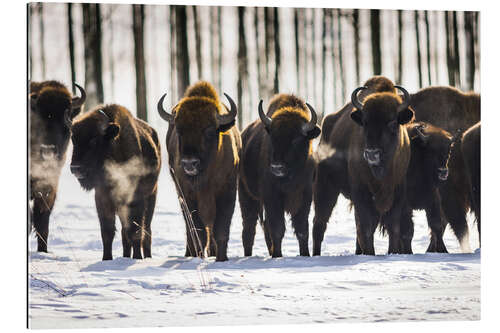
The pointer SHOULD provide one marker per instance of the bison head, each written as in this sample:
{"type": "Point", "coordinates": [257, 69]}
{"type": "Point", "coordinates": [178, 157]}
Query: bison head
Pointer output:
{"type": "Point", "coordinates": [436, 146]}
{"type": "Point", "coordinates": [92, 137]}
{"type": "Point", "coordinates": [199, 126]}
{"type": "Point", "coordinates": [52, 110]}
{"type": "Point", "coordinates": [381, 117]}
{"type": "Point", "coordinates": [290, 133]}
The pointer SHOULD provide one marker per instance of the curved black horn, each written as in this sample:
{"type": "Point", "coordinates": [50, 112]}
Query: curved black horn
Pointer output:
{"type": "Point", "coordinates": [354, 98]}
{"type": "Point", "coordinates": [77, 102]}
{"type": "Point", "coordinates": [161, 111]}
{"type": "Point", "coordinates": [406, 99]}
{"type": "Point", "coordinates": [227, 118]}
{"type": "Point", "coordinates": [311, 123]}
{"type": "Point", "coordinates": [263, 117]}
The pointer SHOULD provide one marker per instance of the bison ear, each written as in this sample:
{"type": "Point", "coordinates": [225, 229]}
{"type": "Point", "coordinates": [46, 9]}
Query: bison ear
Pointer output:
{"type": "Point", "coordinates": [357, 116]}
{"type": "Point", "coordinates": [226, 127]}
{"type": "Point", "coordinates": [112, 131]}
{"type": "Point", "coordinates": [313, 133]}
{"type": "Point", "coordinates": [405, 116]}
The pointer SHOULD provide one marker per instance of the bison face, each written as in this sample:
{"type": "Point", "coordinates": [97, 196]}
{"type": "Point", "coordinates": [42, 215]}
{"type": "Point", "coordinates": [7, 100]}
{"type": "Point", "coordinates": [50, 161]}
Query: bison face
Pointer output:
{"type": "Point", "coordinates": [199, 127]}
{"type": "Point", "coordinates": [381, 118]}
{"type": "Point", "coordinates": [51, 112]}
{"type": "Point", "coordinates": [436, 145]}
{"type": "Point", "coordinates": [290, 134]}
{"type": "Point", "coordinates": [92, 138]}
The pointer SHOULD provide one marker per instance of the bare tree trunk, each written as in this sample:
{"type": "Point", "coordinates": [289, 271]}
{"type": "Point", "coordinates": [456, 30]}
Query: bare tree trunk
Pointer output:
{"type": "Point", "coordinates": [140, 63]}
{"type": "Point", "coordinates": [197, 36]}
{"type": "Point", "coordinates": [297, 46]}
{"type": "Point", "coordinates": [399, 79]}
{"type": "Point", "coordinates": [419, 56]}
{"type": "Point", "coordinates": [334, 57]}
{"type": "Point", "coordinates": [469, 50]}
{"type": "Point", "coordinates": [269, 27]}
{"type": "Point", "coordinates": [324, 25]}
{"type": "Point", "coordinates": [173, 60]}
{"type": "Point", "coordinates": [355, 25]}
{"type": "Point", "coordinates": [449, 50]}
{"type": "Point", "coordinates": [277, 50]}
{"type": "Point", "coordinates": [213, 45]}
{"type": "Point", "coordinates": [219, 49]}
{"type": "Point", "coordinates": [30, 41]}
{"type": "Point", "coordinates": [71, 44]}
{"type": "Point", "coordinates": [456, 51]}
{"type": "Point", "coordinates": [242, 64]}
{"type": "Point", "coordinates": [258, 50]}
{"type": "Point", "coordinates": [111, 54]}
{"type": "Point", "coordinates": [42, 41]}
{"type": "Point", "coordinates": [306, 55]}
{"type": "Point", "coordinates": [93, 54]}
{"type": "Point", "coordinates": [428, 39]}
{"type": "Point", "coordinates": [341, 62]}
{"type": "Point", "coordinates": [375, 30]}
{"type": "Point", "coordinates": [477, 41]}
{"type": "Point", "coordinates": [182, 49]}
{"type": "Point", "coordinates": [313, 54]}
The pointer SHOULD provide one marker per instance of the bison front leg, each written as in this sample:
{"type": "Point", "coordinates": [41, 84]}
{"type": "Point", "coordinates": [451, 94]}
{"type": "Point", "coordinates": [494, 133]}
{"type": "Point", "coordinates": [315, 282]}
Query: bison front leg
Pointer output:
{"type": "Point", "coordinates": [207, 210]}
{"type": "Point", "coordinates": [392, 220]}
{"type": "Point", "coordinates": [300, 223]}
{"type": "Point", "coordinates": [146, 243]}
{"type": "Point", "coordinates": [407, 230]}
{"type": "Point", "coordinates": [366, 217]}
{"type": "Point", "coordinates": [275, 221]}
{"type": "Point", "coordinates": [225, 210]}
{"type": "Point", "coordinates": [249, 213]}
{"type": "Point", "coordinates": [42, 207]}
{"type": "Point", "coordinates": [132, 219]}
{"type": "Point", "coordinates": [106, 212]}
{"type": "Point", "coordinates": [325, 194]}
{"type": "Point", "coordinates": [436, 224]}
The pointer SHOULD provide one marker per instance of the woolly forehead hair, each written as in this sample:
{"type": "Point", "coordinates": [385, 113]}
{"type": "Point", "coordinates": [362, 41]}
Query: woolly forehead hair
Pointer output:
{"type": "Point", "coordinates": [384, 104]}
{"type": "Point", "coordinates": [434, 133]}
{"type": "Point", "coordinates": [54, 96]}
{"type": "Point", "coordinates": [202, 89]}
{"type": "Point", "coordinates": [289, 118]}
{"type": "Point", "coordinates": [196, 112]}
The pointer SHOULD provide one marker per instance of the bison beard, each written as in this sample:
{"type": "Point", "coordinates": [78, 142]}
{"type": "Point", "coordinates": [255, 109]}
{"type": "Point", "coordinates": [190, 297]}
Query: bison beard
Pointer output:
{"type": "Point", "coordinates": [119, 157]}
{"type": "Point", "coordinates": [364, 153]}
{"type": "Point", "coordinates": [51, 111]}
{"type": "Point", "coordinates": [276, 173]}
{"type": "Point", "coordinates": [203, 152]}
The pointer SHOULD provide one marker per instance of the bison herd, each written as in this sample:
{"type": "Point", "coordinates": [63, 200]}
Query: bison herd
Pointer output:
{"type": "Point", "coordinates": [388, 151]}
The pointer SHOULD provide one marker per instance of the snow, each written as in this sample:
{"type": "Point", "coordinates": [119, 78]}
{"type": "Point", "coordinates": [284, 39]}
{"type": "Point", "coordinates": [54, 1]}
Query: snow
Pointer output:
{"type": "Point", "coordinates": [71, 287]}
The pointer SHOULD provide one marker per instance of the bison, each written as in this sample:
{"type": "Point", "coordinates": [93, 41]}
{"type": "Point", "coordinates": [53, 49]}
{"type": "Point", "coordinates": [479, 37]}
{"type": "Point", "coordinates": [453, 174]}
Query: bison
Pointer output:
{"type": "Point", "coordinates": [364, 153]}
{"type": "Point", "coordinates": [453, 111]}
{"type": "Point", "coordinates": [119, 157]}
{"type": "Point", "coordinates": [427, 171]}
{"type": "Point", "coordinates": [51, 112]}
{"type": "Point", "coordinates": [276, 172]}
{"type": "Point", "coordinates": [203, 153]}
{"type": "Point", "coordinates": [471, 151]}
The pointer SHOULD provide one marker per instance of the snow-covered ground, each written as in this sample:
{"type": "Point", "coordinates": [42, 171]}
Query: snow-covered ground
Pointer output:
{"type": "Point", "coordinates": [170, 290]}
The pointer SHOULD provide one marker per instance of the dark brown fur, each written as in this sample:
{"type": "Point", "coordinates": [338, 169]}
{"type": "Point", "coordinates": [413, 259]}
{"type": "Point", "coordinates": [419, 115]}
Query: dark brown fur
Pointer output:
{"type": "Point", "coordinates": [210, 196]}
{"type": "Point", "coordinates": [471, 149]}
{"type": "Point", "coordinates": [430, 151]}
{"type": "Point", "coordinates": [50, 103]}
{"type": "Point", "coordinates": [119, 156]}
{"type": "Point", "coordinates": [259, 189]}
{"type": "Point", "coordinates": [453, 111]}
{"type": "Point", "coordinates": [342, 169]}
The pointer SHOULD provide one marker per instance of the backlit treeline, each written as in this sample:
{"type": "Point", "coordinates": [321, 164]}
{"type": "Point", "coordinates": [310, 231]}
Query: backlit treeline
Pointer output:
{"type": "Point", "coordinates": [249, 52]}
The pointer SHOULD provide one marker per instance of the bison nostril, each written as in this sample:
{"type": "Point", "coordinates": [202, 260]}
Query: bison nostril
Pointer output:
{"type": "Point", "coordinates": [372, 156]}
{"type": "Point", "coordinates": [190, 165]}
{"type": "Point", "coordinates": [278, 169]}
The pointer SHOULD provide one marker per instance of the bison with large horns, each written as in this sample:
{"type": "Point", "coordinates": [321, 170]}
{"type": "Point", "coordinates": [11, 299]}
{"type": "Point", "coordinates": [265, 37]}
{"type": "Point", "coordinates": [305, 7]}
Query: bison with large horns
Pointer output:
{"type": "Point", "coordinates": [203, 153]}
{"type": "Point", "coordinates": [364, 154]}
{"type": "Point", "coordinates": [276, 172]}
{"type": "Point", "coordinates": [51, 112]}
{"type": "Point", "coordinates": [119, 157]}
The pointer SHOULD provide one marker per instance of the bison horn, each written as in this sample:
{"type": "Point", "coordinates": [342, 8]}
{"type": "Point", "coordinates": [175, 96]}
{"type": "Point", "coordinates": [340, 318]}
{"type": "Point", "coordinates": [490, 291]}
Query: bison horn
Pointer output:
{"type": "Point", "coordinates": [311, 123]}
{"type": "Point", "coordinates": [225, 119]}
{"type": "Point", "coordinates": [354, 98]}
{"type": "Point", "coordinates": [77, 102]}
{"type": "Point", "coordinates": [263, 117]}
{"type": "Point", "coordinates": [164, 114]}
{"type": "Point", "coordinates": [406, 100]}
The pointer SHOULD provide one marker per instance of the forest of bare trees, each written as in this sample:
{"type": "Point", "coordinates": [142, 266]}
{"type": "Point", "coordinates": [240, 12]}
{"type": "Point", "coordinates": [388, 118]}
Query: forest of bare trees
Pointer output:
{"type": "Point", "coordinates": [319, 54]}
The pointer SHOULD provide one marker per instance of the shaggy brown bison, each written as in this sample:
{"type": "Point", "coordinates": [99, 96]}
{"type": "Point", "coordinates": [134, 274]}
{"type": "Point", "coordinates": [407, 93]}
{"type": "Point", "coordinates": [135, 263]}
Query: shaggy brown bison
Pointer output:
{"type": "Point", "coordinates": [428, 169]}
{"type": "Point", "coordinates": [364, 153]}
{"type": "Point", "coordinates": [471, 150]}
{"type": "Point", "coordinates": [51, 112]}
{"type": "Point", "coordinates": [453, 111]}
{"type": "Point", "coordinates": [203, 153]}
{"type": "Point", "coordinates": [276, 172]}
{"type": "Point", "coordinates": [118, 156]}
